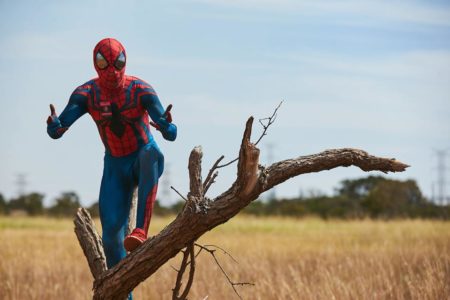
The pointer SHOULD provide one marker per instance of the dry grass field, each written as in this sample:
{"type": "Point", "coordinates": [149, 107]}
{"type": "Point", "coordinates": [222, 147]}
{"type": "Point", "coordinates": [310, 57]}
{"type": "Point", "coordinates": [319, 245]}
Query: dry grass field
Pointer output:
{"type": "Point", "coordinates": [285, 258]}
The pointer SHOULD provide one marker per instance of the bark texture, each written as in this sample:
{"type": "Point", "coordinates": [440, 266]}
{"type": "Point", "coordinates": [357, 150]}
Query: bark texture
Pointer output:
{"type": "Point", "coordinates": [90, 242]}
{"type": "Point", "coordinates": [201, 214]}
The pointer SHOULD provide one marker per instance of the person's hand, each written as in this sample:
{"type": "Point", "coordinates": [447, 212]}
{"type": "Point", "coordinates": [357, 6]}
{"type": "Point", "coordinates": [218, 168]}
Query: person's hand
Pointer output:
{"type": "Point", "coordinates": [165, 120]}
{"type": "Point", "coordinates": [52, 118]}
{"type": "Point", "coordinates": [167, 113]}
{"type": "Point", "coordinates": [54, 127]}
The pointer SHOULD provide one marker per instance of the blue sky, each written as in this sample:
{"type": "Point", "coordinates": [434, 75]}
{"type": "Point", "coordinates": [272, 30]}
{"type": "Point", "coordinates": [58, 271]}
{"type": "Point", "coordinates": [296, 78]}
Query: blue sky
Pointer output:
{"type": "Point", "coordinates": [373, 75]}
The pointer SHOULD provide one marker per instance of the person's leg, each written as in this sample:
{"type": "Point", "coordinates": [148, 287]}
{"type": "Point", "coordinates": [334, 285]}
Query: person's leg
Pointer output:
{"type": "Point", "coordinates": [149, 167]}
{"type": "Point", "coordinates": [116, 192]}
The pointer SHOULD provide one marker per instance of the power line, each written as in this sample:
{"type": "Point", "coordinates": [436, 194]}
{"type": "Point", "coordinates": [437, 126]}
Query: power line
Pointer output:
{"type": "Point", "coordinates": [440, 196]}
{"type": "Point", "coordinates": [21, 183]}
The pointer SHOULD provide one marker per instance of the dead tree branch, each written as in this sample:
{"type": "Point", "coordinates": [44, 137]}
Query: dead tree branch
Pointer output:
{"type": "Point", "coordinates": [211, 175]}
{"type": "Point", "coordinates": [195, 198]}
{"type": "Point", "coordinates": [210, 179]}
{"type": "Point", "coordinates": [270, 120]}
{"type": "Point", "coordinates": [213, 254]}
{"type": "Point", "coordinates": [184, 263]}
{"type": "Point", "coordinates": [189, 259]}
{"type": "Point", "coordinates": [224, 252]}
{"type": "Point", "coordinates": [200, 215]}
{"type": "Point", "coordinates": [187, 254]}
{"type": "Point", "coordinates": [210, 182]}
{"type": "Point", "coordinates": [195, 173]}
{"type": "Point", "coordinates": [179, 194]}
{"type": "Point", "coordinates": [90, 242]}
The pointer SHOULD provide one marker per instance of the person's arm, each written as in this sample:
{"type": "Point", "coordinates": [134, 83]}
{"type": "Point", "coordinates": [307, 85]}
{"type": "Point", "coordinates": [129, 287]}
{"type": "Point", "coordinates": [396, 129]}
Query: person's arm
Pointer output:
{"type": "Point", "coordinates": [162, 118]}
{"type": "Point", "coordinates": [77, 106]}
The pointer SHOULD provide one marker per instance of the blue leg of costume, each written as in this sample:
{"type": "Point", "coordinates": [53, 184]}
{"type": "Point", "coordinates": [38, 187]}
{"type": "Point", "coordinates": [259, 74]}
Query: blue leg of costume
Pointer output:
{"type": "Point", "coordinates": [115, 198]}
{"type": "Point", "coordinates": [116, 193]}
{"type": "Point", "coordinates": [120, 176]}
{"type": "Point", "coordinates": [148, 168]}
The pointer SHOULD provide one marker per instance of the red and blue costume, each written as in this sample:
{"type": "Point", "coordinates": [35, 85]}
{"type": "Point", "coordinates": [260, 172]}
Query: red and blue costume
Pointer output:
{"type": "Point", "coordinates": [120, 105]}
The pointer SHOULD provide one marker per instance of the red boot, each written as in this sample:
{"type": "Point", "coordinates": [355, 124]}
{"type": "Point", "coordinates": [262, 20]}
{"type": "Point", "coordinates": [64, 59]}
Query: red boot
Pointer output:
{"type": "Point", "coordinates": [134, 239]}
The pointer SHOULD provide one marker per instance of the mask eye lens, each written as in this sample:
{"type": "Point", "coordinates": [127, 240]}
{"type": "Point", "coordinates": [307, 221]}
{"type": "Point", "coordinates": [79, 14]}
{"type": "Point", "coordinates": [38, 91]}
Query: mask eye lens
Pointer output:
{"type": "Point", "coordinates": [120, 61]}
{"type": "Point", "coordinates": [100, 61]}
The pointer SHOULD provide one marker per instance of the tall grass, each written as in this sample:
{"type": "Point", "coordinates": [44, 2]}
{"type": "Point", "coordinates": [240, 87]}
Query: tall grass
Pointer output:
{"type": "Point", "coordinates": [285, 258]}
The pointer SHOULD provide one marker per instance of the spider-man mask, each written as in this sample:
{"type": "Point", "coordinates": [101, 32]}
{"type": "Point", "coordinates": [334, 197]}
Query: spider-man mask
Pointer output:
{"type": "Point", "coordinates": [109, 62]}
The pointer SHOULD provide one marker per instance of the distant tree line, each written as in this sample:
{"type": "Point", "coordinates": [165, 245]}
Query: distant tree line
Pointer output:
{"type": "Point", "coordinates": [65, 205]}
{"type": "Point", "coordinates": [373, 196]}
{"type": "Point", "coordinates": [33, 205]}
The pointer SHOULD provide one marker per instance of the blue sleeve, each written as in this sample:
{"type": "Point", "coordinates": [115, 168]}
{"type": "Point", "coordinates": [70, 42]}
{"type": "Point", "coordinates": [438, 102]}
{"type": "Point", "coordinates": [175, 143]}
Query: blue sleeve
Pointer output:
{"type": "Point", "coordinates": [151, 103]}
{"type": "Point", "coordinates": [76, 107]}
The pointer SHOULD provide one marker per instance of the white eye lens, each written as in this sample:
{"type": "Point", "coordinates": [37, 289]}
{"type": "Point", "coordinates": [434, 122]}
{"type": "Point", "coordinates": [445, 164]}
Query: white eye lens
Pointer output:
{"type": "Point", "coordinates": [120, 61]}
{"type": "Point", "coordinates": [100, 61]}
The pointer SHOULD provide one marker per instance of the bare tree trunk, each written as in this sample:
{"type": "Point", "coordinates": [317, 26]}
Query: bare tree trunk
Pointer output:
{"type": "Point", "coordinates": [201, 214]}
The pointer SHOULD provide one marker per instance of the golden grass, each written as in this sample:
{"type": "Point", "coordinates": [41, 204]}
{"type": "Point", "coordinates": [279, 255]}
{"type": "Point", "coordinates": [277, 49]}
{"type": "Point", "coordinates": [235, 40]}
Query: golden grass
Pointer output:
{"type": "Point", "coordinates": [285, 258]}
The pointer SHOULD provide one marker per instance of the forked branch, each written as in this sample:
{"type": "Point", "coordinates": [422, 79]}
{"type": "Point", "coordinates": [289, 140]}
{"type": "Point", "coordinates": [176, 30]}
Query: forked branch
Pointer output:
{"type": "Point", "coordinates": [265, 123]}
{"type": "Point", "coordinates": [200, 215]}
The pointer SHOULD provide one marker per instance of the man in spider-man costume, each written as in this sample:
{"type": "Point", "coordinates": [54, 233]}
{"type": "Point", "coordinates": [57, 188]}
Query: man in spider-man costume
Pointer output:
{"type": "Point", "coordinates": [120, 106]}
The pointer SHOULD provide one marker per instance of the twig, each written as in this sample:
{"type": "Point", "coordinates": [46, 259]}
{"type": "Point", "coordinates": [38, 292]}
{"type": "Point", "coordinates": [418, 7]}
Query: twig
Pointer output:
{"type": "Point", "coordinates": [188, 253]}
{"type": "Point", "coordinates": [191, 272]}
{"type": "Point", "coordinates": [212, 252]}
{"type": "Point", "coordinates": [224, 251]}
{"type": "Point", "coordinates": [199, 251]}
{"type": "Point", "coordinates": [211, 175]}
{"type": "Point", "coordinates": [228, 163]}
{"type": "Point", "coordinates": [178, 193]}
{"type": "Point", "coordinates": [210, 182]}
{"type": "Point", "coordinates": [183, 266]}
{"type": "Point", "coordinates": [270, 121]}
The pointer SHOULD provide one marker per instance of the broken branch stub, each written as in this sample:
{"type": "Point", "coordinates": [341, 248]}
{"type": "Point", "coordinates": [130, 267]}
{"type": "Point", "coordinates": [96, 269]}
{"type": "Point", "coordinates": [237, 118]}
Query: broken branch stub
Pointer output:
{"type": "Point", "coordinates": [90, 242]}
{"type": "Point", "coordinates": [195, 173]}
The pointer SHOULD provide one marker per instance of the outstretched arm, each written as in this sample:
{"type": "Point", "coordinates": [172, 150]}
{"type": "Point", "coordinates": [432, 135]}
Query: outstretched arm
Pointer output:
{"type": "Point", "coordinates": [162, 118]}
{"type": "Point", "coordinates": [77, 106]}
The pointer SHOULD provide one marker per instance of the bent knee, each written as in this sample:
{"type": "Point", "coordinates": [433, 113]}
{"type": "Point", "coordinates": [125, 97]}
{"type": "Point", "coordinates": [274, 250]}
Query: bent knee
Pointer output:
{"type": "Point", "coordinates": [153, 153]}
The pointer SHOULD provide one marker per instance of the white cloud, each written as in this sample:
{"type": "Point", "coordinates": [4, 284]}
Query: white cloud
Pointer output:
{"type": "Point", "coordinates": [401, 94]}
{"type": "Point", "coordinates": [406, 93]}
{"type": "Point", "coordinates": [398, 11]}
{"type": "Point", "coordinates": [432, 64]}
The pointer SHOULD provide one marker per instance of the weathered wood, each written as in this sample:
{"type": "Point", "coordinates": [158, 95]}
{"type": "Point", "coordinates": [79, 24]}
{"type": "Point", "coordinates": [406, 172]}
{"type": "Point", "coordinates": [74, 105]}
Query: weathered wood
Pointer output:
{"type": "Point", "coordinates": [188, 259]}
{"type": "Point", "coordinates": [197, 203]}
{"type": "Point", "coordinates": [247, 173]}
{"type": "Point", "coordinates": [187, 288]}
{"type": "Point", "coordinates": [90, 242]}
{"type": "Point", "coordinates": [195, 172]}
{"type": "Point", "coordinates": [326, 160]}
{"type": "Point", "coordinates": [190, 224]}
